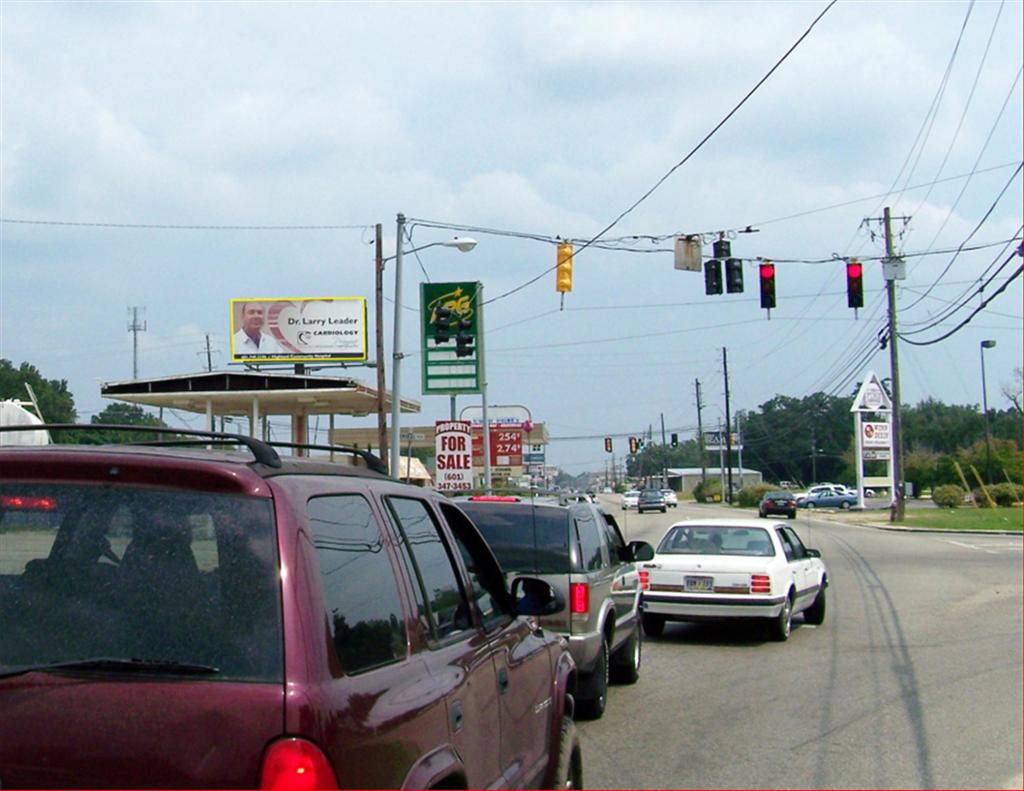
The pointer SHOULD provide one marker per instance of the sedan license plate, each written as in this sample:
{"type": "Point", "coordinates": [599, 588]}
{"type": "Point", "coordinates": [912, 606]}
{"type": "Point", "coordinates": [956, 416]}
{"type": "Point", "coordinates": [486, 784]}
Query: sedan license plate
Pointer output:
{"type": "Point", "coordinates": [699, 583]}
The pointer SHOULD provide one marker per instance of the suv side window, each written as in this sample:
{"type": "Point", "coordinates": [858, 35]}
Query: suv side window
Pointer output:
{"type": "Point", "coordinates": [364, 610]}
{"type": "Point", "coordinates": [484, 574]}
{"type": "Point", "coordinates": [443, 607]}
{"type": "Point", "coordinates": [616, 545]}
{"type": "Point", "coordinates": [590, 539]}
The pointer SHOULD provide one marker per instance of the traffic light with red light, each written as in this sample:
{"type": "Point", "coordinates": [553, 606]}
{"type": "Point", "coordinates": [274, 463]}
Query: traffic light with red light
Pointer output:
{"type": "Point", "coordinates": [563, 271]}
{"type": "Point", "coordinates": [767, 276]}
{"type": "Point", "coordinates": [734, 275]}
{"type": "Point", "coordinates": [854, 283]}
{"type": "Point", "coordinates": [713, 277]}
{"type": "Point", "coordinates": [607, 444]}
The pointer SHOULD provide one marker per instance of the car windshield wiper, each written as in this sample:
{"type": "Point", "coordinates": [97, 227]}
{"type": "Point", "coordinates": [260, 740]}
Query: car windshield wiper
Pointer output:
{"type": "Point", "coordinates": [116, 664]}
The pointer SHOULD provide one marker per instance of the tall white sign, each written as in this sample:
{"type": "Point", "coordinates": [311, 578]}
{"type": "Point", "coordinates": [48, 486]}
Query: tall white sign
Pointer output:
{"type": "Point", "coordinates": [453, 453]}
{"type": "Point", "coordinates": [874, 437]}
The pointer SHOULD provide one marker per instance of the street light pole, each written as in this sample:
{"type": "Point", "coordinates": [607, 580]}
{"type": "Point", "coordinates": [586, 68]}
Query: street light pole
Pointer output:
{"type": "Point", "coordinates": [984, 405]}
{"type": "Point", "coordinates": [396, 356]}
{"type": "Point", "coordinates": [462, 244]}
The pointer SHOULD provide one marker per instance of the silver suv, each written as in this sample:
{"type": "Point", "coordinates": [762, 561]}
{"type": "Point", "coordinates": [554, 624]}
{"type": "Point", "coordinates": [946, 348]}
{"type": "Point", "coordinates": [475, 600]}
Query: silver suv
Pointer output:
{"type": "Point", "coordinates": [579, 551]}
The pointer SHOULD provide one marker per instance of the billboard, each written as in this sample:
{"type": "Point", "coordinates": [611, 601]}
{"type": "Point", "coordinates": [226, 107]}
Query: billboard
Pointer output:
{"type": "Point", "coordinates": [451, 329]}
{"type": "Point", "coordinates": [298, 330]}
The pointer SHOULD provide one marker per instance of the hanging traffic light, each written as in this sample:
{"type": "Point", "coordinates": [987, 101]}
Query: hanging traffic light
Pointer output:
{"type": "Point", "coordinates": [563, 272]}
{"type": "Point", "coordinates": [675, 440]}
{"type": "Point", "coordinates": [607, 444]}
{"type": "Point", "coordinates": [734, 275]}
{"type": "Point", "coordinates": [442, 324]}
{"type": "Point", "coordinates": [713, 277]}
{"type": "Point", "coordinates": [722, 248]}
{"type": "Point", "coordinates": [767, 273]}
{"type": "Point", "coordinates": [464, 340]}
{"type": "Point", "coordinates": [854, 284]}
{"type": "Point", "coordinates": [634, 445]}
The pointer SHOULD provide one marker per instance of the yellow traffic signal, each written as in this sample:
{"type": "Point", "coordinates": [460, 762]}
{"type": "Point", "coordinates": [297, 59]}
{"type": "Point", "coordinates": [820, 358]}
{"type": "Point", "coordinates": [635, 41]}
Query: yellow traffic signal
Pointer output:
{"type": "Point", "coordinates": [563, 275]}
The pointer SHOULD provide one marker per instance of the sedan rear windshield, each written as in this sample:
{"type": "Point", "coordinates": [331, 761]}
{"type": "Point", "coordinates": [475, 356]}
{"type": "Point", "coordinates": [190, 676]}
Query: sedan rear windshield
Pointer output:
{"type": "Point", "coordinates": [158, 578]}
{"type": "Point", "coordinates": [714, 540]}
{"type": "Point", "coordinates": [525, 539]}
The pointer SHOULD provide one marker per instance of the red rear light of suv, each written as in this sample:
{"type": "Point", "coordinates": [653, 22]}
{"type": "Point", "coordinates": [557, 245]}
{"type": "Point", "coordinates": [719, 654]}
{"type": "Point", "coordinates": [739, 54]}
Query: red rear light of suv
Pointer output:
{"type": "Point", "coordinates": [579, 598]}
{"type": "Point", "coordinates": [296, 765]}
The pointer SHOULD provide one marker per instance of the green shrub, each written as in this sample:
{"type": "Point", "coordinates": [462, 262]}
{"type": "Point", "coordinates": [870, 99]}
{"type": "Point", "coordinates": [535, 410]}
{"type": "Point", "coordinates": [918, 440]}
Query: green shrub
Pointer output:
{"type": "Point", "coordinates": [1003, 494]}
{"type": "Point", "coordinates": [751, 496]}
{"type": "Point", "coordinates": [948, 496]}
{"type": "Point", "coordinates": [707, 492]}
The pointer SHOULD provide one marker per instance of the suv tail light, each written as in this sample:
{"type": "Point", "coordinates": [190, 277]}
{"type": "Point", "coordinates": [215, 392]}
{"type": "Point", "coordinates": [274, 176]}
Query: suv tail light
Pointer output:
{"type": "Point", "coordinates": [645, 580]}
{"type": "Point", "coordinates": [579, 598]}
{"type": "Point", "coordinates": [760, 583]}
{"type": "Point", "coordinates": [17, 502]}
{"type": "Point", "coordinates": [296, 765]}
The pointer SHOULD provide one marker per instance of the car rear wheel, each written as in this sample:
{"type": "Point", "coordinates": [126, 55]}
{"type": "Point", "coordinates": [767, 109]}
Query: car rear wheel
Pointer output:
{"type": "Point", "coordinates": [809, 505]}
{"type": "Point", "coordinates": [815, 614]}
{"type": "Point", "coordinates": [594, 689]}
{"type": "Point", "coordinates": [654, 625]}
{"type": "Point", "coordinates": [781, 625]}
{"type": "Point", "coordinates": [626, 661]}
{"type": "Point", "coordinates": [570, 764]}
{"type": "Point", "coordinates": [791, 515]}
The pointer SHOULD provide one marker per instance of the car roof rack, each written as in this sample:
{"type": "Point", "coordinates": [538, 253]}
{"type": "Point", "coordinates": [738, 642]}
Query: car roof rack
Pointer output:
{"type": "Point", "coordinates": [263, 452]}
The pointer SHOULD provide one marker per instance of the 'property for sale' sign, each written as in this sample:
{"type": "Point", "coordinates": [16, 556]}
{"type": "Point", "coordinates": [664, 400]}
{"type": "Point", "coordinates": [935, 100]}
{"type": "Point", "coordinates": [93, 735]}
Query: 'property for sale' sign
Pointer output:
{"type": "Point", "coordinates": [453, 449]}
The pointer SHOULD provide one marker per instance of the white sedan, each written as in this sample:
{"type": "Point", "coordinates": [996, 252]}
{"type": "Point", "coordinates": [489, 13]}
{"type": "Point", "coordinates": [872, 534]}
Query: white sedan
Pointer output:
{"type": "Point", "coordinates": [712, 569]}
{"type": "Point", "coordinates": [671, 498]}
{"type": "Point", "coordinates": [631, 499]}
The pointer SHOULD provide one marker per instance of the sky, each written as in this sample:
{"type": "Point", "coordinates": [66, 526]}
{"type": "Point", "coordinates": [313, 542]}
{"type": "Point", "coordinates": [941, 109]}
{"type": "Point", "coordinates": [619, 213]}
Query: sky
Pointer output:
{"type": "Point", "coordinates": [174, 156]}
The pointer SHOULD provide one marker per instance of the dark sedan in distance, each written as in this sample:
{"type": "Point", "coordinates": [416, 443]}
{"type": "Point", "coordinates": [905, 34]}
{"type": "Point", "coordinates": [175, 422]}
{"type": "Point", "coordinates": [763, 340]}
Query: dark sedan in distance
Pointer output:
{"type": "Point", "coordinates": [779, 502]}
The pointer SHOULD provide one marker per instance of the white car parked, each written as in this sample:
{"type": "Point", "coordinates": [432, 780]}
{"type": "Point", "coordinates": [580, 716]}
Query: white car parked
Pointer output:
{"type": "Point", "coordinates": [732, 568]}
{"type": "Point", "coordinates": [630, 499]}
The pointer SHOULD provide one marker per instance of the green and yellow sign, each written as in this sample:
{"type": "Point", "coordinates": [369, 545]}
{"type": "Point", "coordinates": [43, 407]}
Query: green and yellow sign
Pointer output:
{"type": "Point", "coordinates": [451, 324]}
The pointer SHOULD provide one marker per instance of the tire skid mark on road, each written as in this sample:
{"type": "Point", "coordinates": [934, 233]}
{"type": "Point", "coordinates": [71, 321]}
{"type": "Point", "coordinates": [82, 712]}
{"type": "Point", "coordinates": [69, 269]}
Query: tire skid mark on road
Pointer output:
{"type": "Point", "coordinates": [875, 596]}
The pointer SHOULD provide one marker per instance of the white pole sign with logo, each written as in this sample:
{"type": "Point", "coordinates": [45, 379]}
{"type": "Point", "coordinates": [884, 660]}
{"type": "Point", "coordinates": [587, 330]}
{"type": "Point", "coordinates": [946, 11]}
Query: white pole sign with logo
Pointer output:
{"type": "Point", "coordinates": [453, 452]}
{"type": "Point", "coordinates": [874, 438]}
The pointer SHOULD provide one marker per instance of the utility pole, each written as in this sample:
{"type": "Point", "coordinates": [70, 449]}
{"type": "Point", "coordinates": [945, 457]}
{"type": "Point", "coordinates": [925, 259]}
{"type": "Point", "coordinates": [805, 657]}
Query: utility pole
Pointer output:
{"type": "Point", "coordinates": [209, 355]}
{"type": "Point", "coordinates": [898, 510]}
{"type": "Point", "coordinates": [814, 456]}
{"type": "Point", "coordinates": [739, 450]}
{"type": "Point", "coordinates": [728, 421]}
{"type": "Point", "coordinates": [700, 438]}
{"type": "Point", "coordinates": [134, 327]}
{"type": "Point", "coordinates": [382, 423]}
{"type": "Point", "coordinates": [664, 454]}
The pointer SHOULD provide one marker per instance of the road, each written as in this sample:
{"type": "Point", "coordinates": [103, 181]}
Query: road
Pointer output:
{"type": "Point", "coordinates": [913, 681]}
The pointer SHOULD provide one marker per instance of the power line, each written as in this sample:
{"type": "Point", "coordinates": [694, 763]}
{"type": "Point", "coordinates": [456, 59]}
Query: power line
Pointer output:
{"type": "Point", "coordinates": [170, 227]}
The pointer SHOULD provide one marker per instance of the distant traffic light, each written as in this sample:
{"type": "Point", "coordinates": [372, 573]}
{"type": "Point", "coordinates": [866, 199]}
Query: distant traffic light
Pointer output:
{"type": "Point", "coordinates": [675, 440]}
{"type": "Point", "coordinates": [713, 277]}
{"type": "Point", "coordinates": [607, 444]}
{"type": "Point", "coordinates": [641, 444]}
{"type": "Point", "coordinates": [734, 275]}
{"type": "Point", "coordinates": [854, 284]}
{"type": "Point", "coordinates": [464, 340]}
{"type": "Point", "coordinates": [563, 273]}
{"type": "Point", "coordinates": [767, 273]}
{"type": "Point", "coordinates": [442, 324]}
{"type": "Point", "coordinates": [634, 445]}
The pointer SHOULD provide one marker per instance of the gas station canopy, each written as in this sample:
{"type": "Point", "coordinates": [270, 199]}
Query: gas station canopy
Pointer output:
{"type": "Point", "coordinates": [254, 394]}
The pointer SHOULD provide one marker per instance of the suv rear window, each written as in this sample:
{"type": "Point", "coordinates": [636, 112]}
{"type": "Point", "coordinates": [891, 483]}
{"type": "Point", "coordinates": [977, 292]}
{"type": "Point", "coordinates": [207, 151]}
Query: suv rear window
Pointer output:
{"type": "Point", "coordinates": [524, 538]}
{"type": "Point", "coordinates": [139, 574]}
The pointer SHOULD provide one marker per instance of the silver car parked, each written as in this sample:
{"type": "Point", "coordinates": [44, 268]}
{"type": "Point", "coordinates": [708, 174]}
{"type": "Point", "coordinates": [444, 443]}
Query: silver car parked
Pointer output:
{"type": "Point", "coordinates": [579, 551]}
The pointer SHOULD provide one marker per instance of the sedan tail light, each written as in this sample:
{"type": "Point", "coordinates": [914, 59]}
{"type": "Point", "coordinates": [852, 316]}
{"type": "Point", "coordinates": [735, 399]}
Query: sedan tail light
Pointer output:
{"type": "Point", "coordinates": [645, 580]}
{"type": "Point", "coordinates": [296, 765]}
{"type": "Point", "coordinates": [579, 598]}
{"type": "Point", "coordinates": [760, 583]}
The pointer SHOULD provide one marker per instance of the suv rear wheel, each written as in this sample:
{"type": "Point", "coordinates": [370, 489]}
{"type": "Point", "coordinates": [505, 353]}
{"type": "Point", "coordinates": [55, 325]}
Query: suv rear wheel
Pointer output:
{"type": "Point", "coordinates": [626, 661]}
{"type": "Point", "coordinates": [594, 689]}
{"type": "Point", "coordinates": [654, 625]}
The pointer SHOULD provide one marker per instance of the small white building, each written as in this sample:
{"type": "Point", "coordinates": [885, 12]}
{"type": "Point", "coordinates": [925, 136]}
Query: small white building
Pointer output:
{"type": "Point", "coordinates": [684, 479]}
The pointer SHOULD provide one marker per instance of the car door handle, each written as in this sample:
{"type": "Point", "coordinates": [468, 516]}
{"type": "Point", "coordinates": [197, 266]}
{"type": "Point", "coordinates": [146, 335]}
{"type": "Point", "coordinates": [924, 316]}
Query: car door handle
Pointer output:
{"type": "Point", "coordinates": [503, 681]}
{"type": "Point", "coordinates": [456, 716]}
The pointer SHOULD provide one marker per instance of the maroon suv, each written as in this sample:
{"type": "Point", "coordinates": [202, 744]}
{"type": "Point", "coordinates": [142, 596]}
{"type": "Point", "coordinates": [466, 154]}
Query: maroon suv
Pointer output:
{"type": "Point", "coordinates": [196, 618]}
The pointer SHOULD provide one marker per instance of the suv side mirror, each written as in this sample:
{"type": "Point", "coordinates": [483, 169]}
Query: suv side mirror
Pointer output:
{"type": "Point", "coordinates": [641, 550]}
{"type": "Point", "coordinates": [533, 596]}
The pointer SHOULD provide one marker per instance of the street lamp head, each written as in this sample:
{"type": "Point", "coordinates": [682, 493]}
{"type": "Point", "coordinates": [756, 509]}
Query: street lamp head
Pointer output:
{"type": "Point", "coordinates": [987, 344]}
{"type": "Point", "coordinates": [462, 243]}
